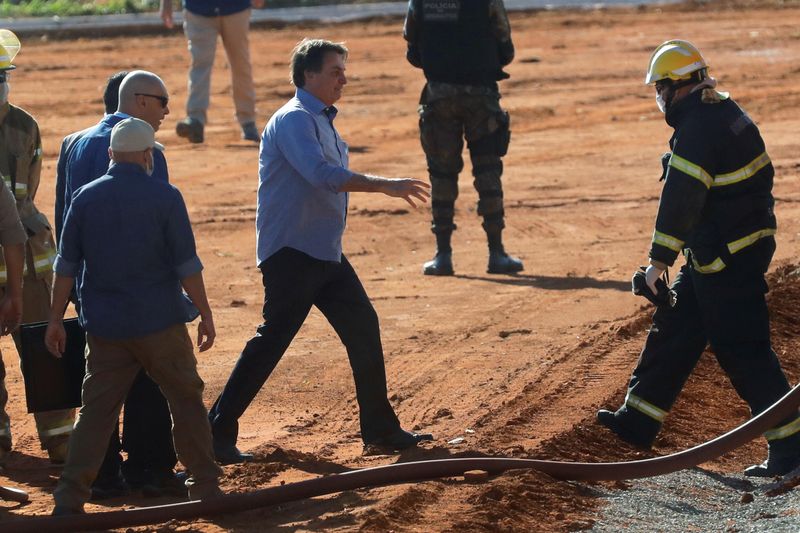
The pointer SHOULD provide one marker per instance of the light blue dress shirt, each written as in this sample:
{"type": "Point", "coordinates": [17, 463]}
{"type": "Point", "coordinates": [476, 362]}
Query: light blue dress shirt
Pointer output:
{"type": "Point", "coordinates": [302, 166]}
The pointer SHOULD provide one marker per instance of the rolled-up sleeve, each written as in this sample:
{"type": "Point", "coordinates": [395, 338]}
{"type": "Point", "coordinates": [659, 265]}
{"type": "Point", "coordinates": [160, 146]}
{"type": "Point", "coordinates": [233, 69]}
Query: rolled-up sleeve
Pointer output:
{"type": "Point", "coordinates": [11, 229]}
{"type": "Point", "coordinates": [70, 255]}
{"type": "Point", "coordinates": [297, 140]}
{"type": "Point", "coordinates": [180, 239]}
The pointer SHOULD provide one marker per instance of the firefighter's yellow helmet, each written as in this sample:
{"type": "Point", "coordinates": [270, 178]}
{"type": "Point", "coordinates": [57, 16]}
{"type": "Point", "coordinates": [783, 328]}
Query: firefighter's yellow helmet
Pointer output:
{"type": "Point", "coordinates": [5, 59]}
{"type": "Point", "coordinates": [10, 42]}
{"type": "Point", "coordinates": [675, 60]}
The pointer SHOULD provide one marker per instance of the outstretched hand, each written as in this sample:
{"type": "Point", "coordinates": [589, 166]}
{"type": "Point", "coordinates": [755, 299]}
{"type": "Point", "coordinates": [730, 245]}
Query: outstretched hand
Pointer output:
{"type": "Point", "coordinates": [409, 189]}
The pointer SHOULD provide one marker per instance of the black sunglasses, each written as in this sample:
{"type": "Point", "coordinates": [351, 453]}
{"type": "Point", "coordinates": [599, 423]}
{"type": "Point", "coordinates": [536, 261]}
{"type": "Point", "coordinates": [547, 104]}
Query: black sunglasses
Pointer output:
{"type": "Point", "coordinates": [163, 99]}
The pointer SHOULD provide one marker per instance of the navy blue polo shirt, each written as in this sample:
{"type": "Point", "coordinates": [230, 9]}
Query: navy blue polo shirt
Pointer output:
{"type": "Point", "coordinates": [132, 236]}
{"type": "Point", "coordinates": [216, 8]}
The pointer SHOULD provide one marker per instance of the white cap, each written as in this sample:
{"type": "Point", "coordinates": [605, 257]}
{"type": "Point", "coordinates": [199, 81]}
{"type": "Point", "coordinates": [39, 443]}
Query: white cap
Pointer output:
{"type": "Point", "coordinates": [133, 135]}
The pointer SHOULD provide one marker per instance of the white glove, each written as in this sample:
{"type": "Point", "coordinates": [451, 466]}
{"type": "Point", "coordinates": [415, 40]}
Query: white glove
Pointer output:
{"type": "Point", "coordinates": [651, 275]}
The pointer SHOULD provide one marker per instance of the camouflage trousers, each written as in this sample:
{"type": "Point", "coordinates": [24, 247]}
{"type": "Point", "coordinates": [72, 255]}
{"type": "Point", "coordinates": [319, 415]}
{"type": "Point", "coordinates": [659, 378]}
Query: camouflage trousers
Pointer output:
{"type": "Point", "coordinates": [448, 115]}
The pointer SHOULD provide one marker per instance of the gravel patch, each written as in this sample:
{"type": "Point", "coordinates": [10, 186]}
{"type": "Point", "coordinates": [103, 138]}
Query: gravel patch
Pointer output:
{"type": "Point", "coordinates": [700, 500]}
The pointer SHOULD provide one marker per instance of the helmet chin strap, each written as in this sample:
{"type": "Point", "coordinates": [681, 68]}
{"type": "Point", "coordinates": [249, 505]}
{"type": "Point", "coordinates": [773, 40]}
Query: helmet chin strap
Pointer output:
{"type": "Point", "coordinates": [673, 89]}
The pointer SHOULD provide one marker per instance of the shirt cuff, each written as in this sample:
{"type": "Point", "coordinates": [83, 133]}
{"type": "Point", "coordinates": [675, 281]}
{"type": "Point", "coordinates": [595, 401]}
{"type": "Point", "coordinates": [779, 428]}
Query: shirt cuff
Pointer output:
{"type": "Point", "coordinates": [337, 179]}
{"type": "Point", "coordinates": [65, 268]}
{"type": "Point", "coordinates": [187, 268]}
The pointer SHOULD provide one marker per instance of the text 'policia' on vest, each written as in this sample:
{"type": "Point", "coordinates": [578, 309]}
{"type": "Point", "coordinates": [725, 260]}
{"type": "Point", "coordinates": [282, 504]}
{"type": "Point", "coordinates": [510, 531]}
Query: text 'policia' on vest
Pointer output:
{"type": "Point", "coordinates": [458, 44]}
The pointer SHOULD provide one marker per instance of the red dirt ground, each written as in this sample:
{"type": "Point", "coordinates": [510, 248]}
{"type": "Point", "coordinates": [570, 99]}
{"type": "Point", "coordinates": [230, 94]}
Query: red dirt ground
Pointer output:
{"type": "Point", "coordinates": [522, 362]}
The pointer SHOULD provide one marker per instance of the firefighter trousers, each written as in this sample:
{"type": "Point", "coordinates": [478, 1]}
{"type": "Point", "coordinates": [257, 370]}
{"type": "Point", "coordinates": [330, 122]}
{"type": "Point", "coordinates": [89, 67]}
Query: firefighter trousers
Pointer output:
{"type": "Point", "coordinates": [728, 311]}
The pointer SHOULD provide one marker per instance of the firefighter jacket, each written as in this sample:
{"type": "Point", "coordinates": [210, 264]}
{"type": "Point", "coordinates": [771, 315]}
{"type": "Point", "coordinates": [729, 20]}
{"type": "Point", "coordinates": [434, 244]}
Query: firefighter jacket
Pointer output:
{"type": "Point", "coordinates": [21, 166]}
{"type": "Point", "coordinates": [464, 42]}
{"type": "Point", "coordinates": [717, 197]}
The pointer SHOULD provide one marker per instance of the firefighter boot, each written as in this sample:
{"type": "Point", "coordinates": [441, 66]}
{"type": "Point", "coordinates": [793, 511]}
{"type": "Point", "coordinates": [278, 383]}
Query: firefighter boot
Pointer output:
{"type": "Point", "coordinates": [442, 262]}
{"type": "Point", "coordinates": [775, 465]}
{"type": "Point", "coordinates": [58, 452]}
{"type": "Point", "coordinates": [625, 425]}
{"type": "Point", "coordinates": [784, 456]}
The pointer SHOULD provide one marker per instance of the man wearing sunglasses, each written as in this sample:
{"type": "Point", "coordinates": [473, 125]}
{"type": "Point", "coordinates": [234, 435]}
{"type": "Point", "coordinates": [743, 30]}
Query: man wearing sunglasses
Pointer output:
{"type": "Point", "coordinates": [146, 422]}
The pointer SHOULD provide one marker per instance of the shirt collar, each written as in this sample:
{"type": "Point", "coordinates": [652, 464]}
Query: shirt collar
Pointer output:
{"type": "Point", "coordinates": [125, 169]}
{"type": "Point", "coordinates": [314, 104]}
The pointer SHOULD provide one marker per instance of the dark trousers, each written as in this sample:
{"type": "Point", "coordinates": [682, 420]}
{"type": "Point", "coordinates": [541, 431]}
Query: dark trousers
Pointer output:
{"type": "Point", "coordinates": [726, 310]}
{"type": "Point", "coordinates": [293, 282]}
{"type": "Point", "coordinates": [146, 437]}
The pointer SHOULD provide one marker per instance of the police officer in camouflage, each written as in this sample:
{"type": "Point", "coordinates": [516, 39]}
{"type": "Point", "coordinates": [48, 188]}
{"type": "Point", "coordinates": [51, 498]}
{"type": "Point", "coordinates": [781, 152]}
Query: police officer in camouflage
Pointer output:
{"type": "Point", "coordinates": [462, 48]}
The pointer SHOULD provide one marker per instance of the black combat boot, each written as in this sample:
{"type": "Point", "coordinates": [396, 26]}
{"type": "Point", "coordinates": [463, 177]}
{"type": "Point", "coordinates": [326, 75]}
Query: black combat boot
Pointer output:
{"type": "Point", "coordinates": [442, 262]}
{"type": "Point", "coordinates": [499, 261]}
{"type": "Point", "coordinates": [502, 263]}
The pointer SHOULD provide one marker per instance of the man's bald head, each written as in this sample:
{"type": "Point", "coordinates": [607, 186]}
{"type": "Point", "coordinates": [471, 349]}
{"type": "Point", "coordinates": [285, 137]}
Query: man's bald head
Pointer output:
{"type": "Point", "coordinates": [143, 95]}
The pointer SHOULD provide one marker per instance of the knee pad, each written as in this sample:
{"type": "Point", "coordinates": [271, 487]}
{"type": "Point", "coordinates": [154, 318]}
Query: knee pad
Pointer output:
{"type": "Point", "coordinates": [487, 177]}
{"type": "Point", "coordinates": [444, 188]}
{"type": "Point", "coordinates": [491, 207]}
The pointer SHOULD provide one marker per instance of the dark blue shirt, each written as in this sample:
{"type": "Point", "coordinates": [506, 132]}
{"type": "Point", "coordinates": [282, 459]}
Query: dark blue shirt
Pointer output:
{"type": "Point", "coordinates": [132, 236]}
{"type": "Point", "coordinates": [216, 8]}
{"type": "Point", "coordinates": [61, 176]}
{"type": "Point", "coordinates": [87, 159]}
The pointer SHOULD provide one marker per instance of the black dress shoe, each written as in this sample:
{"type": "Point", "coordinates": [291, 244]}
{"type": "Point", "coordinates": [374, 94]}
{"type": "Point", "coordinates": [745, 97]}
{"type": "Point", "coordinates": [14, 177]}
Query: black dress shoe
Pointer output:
{"type": "Point", "coordinates": [400, 440]}
{"type": "Point", "coordinates": [775, 465]}
{"type": "Point", "coordinates": [230, 455]}
{"type": "Point", "coordinates": [610, 420]}
{"type": "Point", "coordinates": [163, 483]}
{"type": "Point", "coordinates": [109, 487]}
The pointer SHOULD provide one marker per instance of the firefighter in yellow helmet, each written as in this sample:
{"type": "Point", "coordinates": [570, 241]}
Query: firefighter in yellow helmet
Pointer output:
{"type": "Point", "coordinates": [20, 166]}
{"type": "Point", "coordinates": [717, 208]}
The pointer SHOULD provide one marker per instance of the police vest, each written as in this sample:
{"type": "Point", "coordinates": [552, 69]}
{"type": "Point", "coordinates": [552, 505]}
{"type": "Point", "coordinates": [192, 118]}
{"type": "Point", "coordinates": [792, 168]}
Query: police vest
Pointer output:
{"type": "Point", "coordinates": [456, 41]}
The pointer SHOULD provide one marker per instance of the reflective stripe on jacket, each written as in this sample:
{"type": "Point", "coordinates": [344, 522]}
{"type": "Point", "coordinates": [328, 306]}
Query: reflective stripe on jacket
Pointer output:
{"type": "Point", "coordinates": [21, 167]}
{"type": "Point", "coordinates": [717, 197]}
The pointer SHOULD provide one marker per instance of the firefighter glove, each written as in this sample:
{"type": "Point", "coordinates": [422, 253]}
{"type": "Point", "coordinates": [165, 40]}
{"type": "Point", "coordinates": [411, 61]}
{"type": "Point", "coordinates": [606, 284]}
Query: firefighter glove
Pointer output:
{"type": "Point", "coordinates": [660, 294]}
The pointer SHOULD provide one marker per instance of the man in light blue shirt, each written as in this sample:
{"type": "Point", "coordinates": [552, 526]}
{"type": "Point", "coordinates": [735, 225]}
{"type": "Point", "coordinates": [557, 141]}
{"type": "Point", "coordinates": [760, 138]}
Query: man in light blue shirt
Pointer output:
{"type": "Point", "coordinates": [302, 206]}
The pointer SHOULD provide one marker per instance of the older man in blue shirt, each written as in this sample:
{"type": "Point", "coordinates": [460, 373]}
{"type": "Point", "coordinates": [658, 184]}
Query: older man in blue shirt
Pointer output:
{"type": "Point", "coordinates": [146, 424]}
{"type": "Point", "coordinates": [302, 206]}
{"type": "Point", "coordinates": [132, 235]}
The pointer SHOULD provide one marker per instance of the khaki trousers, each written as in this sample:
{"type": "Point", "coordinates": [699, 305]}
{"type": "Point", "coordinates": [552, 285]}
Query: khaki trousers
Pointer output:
{"type": "Point", "coordinates": [202, 33]}
{"type": "Point", "coordinates": [111, 367]}
{"type": "Point", "coordinates": [54, 427]}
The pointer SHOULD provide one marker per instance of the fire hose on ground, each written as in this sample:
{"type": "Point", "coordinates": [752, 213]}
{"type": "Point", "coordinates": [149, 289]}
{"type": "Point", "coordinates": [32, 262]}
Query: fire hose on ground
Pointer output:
{"type": "Point", "coordinates": [413, 472]}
